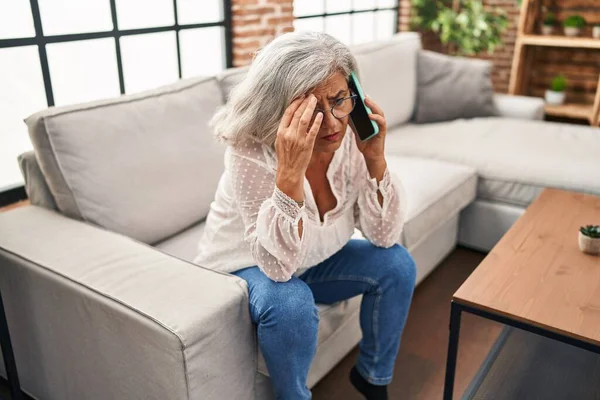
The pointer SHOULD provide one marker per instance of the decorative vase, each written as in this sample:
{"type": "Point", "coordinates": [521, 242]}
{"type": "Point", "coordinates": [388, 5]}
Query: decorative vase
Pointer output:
{"type": "Point", "coordinates": [555, 98]}
{"type": "Point", "coordinates": [547, 29]}
{"type": "Point", "coordinates": [572, 32]}
{"type": "Point", "coordinates": [596, 32]}
{"type": "Point", "coordinates": [589, 245]}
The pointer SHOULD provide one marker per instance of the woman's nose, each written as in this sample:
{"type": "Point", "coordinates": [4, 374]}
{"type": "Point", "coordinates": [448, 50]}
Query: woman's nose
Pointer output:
{"type": "Point", "coordinates": [329, 120]}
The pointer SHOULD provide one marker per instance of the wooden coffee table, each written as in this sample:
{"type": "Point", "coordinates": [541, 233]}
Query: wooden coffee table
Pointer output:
{"type": "Point", "coordinates": [536, 278]}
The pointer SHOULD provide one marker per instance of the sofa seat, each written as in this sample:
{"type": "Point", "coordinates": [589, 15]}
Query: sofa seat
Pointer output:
{"type": "Point", "coordinates": [514, 158]}
{"type": "Point", "coordinates": [184, 244]}
{"type": "Point", "coordinates": [338, 326]}
{"type": "Point", "coordinates": [435, 192]}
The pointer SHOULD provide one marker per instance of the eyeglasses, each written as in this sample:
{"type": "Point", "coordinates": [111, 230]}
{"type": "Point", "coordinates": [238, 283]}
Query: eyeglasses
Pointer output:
{"type": "Point", "coordinates": [340, 109]}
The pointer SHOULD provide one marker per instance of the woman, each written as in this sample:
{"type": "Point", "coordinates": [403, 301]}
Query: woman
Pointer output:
{"type": "Point", "coordinates": [297, 183]}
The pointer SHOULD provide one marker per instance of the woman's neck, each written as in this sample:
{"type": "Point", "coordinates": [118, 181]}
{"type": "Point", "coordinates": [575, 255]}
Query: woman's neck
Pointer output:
{"type": "Point", "coordinates": [320, 161]}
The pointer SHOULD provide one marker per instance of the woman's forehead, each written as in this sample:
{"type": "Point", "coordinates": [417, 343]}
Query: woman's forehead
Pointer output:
{"type": "Point", "coordinates": [332, 86]}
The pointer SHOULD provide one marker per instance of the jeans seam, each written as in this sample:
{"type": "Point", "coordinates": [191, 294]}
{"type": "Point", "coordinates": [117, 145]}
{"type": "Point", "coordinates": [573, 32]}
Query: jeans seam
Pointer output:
{"type": "Point", "coordinates": [376, 329]}
{"type": "Point", "coordinates": [370, 372]}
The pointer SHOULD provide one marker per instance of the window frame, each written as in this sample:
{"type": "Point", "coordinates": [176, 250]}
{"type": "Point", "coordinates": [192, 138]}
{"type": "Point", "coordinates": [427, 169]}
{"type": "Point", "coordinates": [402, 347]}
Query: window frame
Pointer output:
{"type": "Point", "coordinates": [14, 193]}
{"type": "Point", "coordinates": [352, 11]}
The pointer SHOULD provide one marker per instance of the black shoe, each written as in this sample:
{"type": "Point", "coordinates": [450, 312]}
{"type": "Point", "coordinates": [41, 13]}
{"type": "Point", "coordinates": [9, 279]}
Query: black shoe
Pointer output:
{"type": "Point", "coordinates": [370, 391]}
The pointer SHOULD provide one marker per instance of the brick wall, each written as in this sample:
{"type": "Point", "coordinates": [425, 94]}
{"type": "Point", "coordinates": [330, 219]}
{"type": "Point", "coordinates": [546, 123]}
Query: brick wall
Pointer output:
{"type": "Point", "coordinates": [255, 23]}
{"type": "Point", "coordinates": [502, 57]}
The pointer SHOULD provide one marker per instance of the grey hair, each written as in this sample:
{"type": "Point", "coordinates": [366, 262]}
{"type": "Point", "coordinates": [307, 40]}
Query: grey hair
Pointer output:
{"type": "Point", "coordinates": [291, 65]}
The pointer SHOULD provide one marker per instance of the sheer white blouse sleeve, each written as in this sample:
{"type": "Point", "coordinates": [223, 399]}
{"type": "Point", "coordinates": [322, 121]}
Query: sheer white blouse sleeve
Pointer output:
{"type": "Point", "coordinates": [270, 217]}
{"type": "Point", "coordinates": [380, 224]}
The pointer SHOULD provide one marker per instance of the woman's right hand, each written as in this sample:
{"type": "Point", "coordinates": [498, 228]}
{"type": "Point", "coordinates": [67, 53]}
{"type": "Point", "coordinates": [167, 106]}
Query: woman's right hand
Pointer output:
{"type": "Point", "coordinates": [294, 145]}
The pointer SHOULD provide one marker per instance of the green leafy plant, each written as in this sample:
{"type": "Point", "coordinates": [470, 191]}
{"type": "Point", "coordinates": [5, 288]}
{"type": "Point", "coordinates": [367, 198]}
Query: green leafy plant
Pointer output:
{"type": "Point", "coordinates": [592, 231]}
{"type": "Point", "coordinates": [467, 29]}
{"type": "Point", "coordinates": [574, 21]}
{"type": "Point", "coordinates": [426, 13]}
{"type": "Point", "coordinates": [559, 83]}
{"type": "Point", "coordinates": [550, 19]}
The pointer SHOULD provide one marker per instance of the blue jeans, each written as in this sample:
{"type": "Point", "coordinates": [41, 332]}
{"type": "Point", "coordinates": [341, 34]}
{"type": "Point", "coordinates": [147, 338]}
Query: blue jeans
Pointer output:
{"type": "Point", "coordinates": [287, 318]}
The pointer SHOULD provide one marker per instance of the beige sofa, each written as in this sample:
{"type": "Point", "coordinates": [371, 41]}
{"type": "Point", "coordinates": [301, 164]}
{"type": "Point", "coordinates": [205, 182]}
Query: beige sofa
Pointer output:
{"type": "Point", "coordinates": [100, 294]}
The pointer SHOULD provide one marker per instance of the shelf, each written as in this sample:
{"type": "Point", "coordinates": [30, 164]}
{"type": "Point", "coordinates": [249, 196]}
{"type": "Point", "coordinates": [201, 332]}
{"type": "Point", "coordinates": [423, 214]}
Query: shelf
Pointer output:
{"type": "Point", "coordinates": [560, 41]}
{"type": "Point", "coordinates": [578, 111]}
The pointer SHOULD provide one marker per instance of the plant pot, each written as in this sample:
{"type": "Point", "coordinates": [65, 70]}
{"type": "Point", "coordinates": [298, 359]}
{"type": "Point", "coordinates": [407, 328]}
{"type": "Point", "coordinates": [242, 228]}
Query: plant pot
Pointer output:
{"type": "Point", "coordinates": [589, 245]}
{"type": "Point", "coordinates": [547, 29]}
{"type": "Point", "coordinates": [596, 32]}
{"type": "Point", "coordinates": [572, 32]}
{"type": "Point", "coordinates": [555, 98]}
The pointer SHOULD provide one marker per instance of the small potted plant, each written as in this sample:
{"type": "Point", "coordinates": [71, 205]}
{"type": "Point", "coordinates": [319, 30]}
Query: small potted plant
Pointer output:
{"type": "Point", "coordinates": [549, 24]}
{"type": "Point", "coordinates": [596, 31]}
{"type": "Point", "coordinates": [573, 25]}
{"type": "Point", "coordinates": [556, 94]}
{"type": "Point", "coordinates": [589, 239]}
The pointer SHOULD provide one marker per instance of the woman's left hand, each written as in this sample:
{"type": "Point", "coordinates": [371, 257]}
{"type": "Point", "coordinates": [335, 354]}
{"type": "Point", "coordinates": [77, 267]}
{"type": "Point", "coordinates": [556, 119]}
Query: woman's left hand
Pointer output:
{"type": "Point", "coordinates": [373, 149]}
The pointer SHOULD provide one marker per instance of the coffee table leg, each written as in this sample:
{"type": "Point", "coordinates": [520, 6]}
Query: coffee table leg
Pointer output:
{"type": "Point", "coordinates": [9, 357]}
{"type": "Point", "coordinates": [455, 313]}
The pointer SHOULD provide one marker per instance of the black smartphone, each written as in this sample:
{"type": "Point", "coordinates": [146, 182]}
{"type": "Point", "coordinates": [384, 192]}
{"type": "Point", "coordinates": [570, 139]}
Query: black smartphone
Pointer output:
{"type": "Point", "coordinates": [359, 117]}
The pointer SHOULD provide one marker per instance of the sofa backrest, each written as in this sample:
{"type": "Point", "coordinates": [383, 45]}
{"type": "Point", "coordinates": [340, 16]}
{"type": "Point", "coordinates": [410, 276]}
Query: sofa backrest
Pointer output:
{"type": "Point", "coordinates": [388, 72]}
{"type": "Point", "coordinates": [230, 78]}
{"type": "Point", "coordinates": [144, 165]}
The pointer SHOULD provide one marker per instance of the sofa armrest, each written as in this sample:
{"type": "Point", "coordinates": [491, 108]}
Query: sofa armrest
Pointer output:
{"type": "Point", "coordinates": [522, 107]}
{"type": "Point", "coordinates": [95, 314]}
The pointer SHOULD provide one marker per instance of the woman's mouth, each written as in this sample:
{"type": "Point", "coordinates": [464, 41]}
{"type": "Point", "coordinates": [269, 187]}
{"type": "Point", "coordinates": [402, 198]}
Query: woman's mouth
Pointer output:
{"type": "Point", "coordinates": [333, 137]}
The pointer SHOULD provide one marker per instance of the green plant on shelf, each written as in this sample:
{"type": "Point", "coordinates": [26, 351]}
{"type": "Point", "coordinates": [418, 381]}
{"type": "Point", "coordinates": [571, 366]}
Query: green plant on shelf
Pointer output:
{"type": "Point", "coordinates": [466, 27]}
{"type": "Point", "coordinates": [550, 20]}
{"type": "Point", "coordinates": [592, 231]}
{"type": "Point", "coordinates": [574, 21]}
{"type": "Point", "coordinates": [559, 83]}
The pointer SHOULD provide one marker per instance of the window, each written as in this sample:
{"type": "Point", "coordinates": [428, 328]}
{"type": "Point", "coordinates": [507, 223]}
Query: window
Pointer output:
{"type": "Point", "coordinates": [350, 21]}
{"type": "Point", "coordinates": [57, 52]}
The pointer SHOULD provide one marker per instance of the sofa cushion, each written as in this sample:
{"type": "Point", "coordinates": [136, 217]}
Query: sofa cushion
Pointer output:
{"type": "Point", "coordinates": [388, 73]}
{"type": "Point", "coordinates": [229, 78]}
{"type": "Point", "coordinates": [183, 244]}
{"type": "Point", "coordinates": [35, 184]}
{"type": "Point", "coordinates": [504, 191]}
{"type": "Point", "coordinates": [334, 318]}
{"type": "Point", "coordinates": [435, 192]}
{"type": "Point", "coordinates": [144, 165]}
{"type": "Point", "coordinates": [453, 87]}
{"type": "Point", "coordinates": [514, 158]}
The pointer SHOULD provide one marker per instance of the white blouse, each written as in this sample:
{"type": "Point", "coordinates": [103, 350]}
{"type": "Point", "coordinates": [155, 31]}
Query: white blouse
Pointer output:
{"type": "Point", "coordinates": [251, 222]}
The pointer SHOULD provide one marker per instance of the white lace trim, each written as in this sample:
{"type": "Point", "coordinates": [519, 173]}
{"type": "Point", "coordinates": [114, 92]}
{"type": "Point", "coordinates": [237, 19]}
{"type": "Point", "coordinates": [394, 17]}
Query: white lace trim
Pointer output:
{"type": "Point", "coordinates": [287, 205]}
